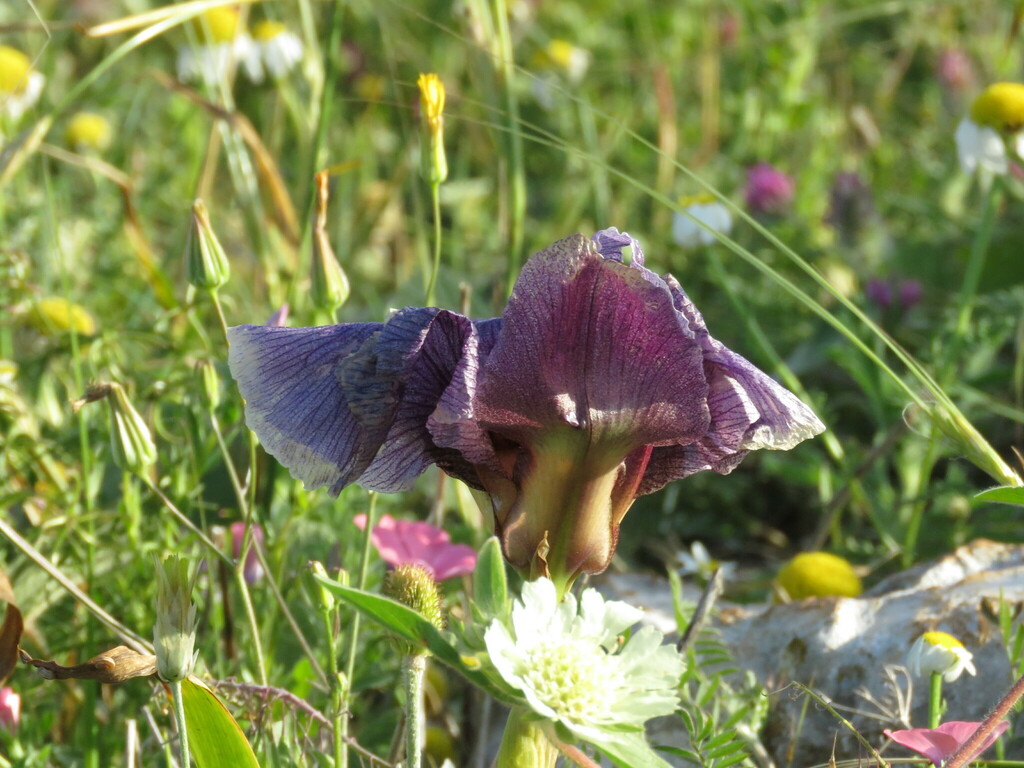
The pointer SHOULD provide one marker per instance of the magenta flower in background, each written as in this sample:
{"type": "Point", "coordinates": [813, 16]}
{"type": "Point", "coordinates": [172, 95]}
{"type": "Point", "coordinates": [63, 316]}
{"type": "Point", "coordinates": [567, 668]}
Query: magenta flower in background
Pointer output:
{"type": "Point", "coordinates": [954, 70]}
{"type": "Point", "coordinates": [910, 293]}
{"type": "Point", "coordinates": [410, 542]}
{"type": "Point", "coordinates": [882, 293]}
{"type": "Point", "coordinates": [10, 709]}
{"type": "Point", "coordinates": [769, 190]}
{"type": "Point", "coordinates": [599, 384]}
{"type": "Point", "coordinates": [879, 293]}
{"type": "Point", "coordinates": [252, 571]}
{"type": "Point", "coordinates": [939, 744]}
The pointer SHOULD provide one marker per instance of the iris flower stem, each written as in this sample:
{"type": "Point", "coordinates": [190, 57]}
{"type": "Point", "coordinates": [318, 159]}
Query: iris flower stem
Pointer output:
{"type": "Point", "coordinates": [353, 634]}
{"type": "Point", "coordinates": [435, 198]}
{"type": "Point", "coordinates": [414, 667]}
{"type": "Point", "coordinates": [179, 718]}
{"type": "Point", "coordinates": [969, 748]}
{"type": "Point", "coordinates": [935, 700]}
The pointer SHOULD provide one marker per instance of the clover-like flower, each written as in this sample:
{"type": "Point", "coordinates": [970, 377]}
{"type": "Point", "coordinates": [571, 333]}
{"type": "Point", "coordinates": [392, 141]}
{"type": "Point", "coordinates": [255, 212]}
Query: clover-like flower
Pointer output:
{"type": "Point", "coordinates": [769, 190]}
{"type": "Point", "coordinates": [939, 744]}
{"type": "Point", "coordinates": [567, 661]}
{"type": "Point", "coordinates": [411, 542]}
{"type": "Point", "coordinates": [996, 118]}
{"type": "Point", "coordinates": [600, 383]}
{"type": "Point", "coordinates": [940, 653]}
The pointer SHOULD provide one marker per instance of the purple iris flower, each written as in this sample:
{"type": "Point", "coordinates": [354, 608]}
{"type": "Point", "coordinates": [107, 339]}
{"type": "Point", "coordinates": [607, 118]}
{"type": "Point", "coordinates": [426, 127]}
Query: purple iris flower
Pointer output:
{"type": "Point", "coordinates": [598, 384]}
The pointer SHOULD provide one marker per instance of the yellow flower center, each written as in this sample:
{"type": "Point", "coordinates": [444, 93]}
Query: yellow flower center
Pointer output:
{"type": "Point", "coordinates": [87, 129]}
{"type": "Point", "coordinates": [942, 640]}
{"type": "Point", "coordinates": [431, 100]}
{"type": "Point", "coordinates": [702, 198]}
{"type": "Point", "coordinates": [574, 678]}
{"type": "Point", "coordinates": [268, 30]}
{"type": "Point", "coordinates": [219, 25]}
{"type": "Point", "coordinates": [560, 53]}
{"type": "Point", "coordinates": [819, 574]}
{"type": "Point", "coordinates": [14, 70]}
{"type": "Point", "coordinates": [1000, 106]}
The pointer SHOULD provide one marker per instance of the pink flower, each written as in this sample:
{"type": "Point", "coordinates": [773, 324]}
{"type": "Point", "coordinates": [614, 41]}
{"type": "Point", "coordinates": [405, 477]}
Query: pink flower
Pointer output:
{"type": "Point", "coordinates": [769, 190]}
{"type": "Point", "coordinates": [10, 709]}
{"type": "Point", "coordinates": [408, 542]}
{"type": "Point", "coordinates": [939, 744]}
{"type": "Point", "coordinates": [252, 571]}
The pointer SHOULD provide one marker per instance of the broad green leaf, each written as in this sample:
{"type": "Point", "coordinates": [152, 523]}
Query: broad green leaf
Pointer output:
{"type": "Point", "coordinates": [490, 583]}
{"type": "Point", "coordinates": [214, 737]}
{"type": "Point", "coordinates": [630, 750]}
{"type": "Point", "coordinates": [1007, 494]}
{"type": "Point", "coordinates": [409, 625]}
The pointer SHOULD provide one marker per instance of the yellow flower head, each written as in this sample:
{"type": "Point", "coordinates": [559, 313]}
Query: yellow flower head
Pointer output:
{"type": "Point", "coordinates": [939, 653]}
{"type": "Point", "coordinates": [87, 130]}
{"type": "Point", "coordinates": [56, 315]}
{"type": "Point", "coordinates": [818, 574]}
{"type": "Point", "coordinates": [1000, 106]}
{"type": "Point", "coordinates": [560, 53]}
{"type": "Point", "coordinates": [268, 30]}
{"type": "Point", "coordinates": [14, 70]}
{"type": "Point", "coordinates": [431, 101]}
{"type": "Point", "coordinates": [942, 640]}
{"type": "Point", "coordinates": [701, 198]}
{"type": "Point", "coordinates": [221, 24]}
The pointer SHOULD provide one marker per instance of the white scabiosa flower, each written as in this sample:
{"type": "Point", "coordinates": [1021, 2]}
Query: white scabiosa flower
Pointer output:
{"type": "Point", "coordinates": [20, 84]}
{"type": "Point", "coordinates": [279, 50]}
{"type": "Point", "coordinates": [174, 635]}
{"type": "Point", "coordinates": [939, 652]}
{"type": "Point", "coordinates": [996, 119]}
{"type": "Point", "coordinates": [223, 45]}
{"type": "Point", "coordinates": [567, 661]}
{"type": "Point", "coordinates": [705, 209]}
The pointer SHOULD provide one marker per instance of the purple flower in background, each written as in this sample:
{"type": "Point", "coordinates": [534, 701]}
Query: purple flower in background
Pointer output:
{"type": "Point", "coordinates": [10, 709]}
{"type": "Point", "coordinates": [252, 571]}
{"type": "Point", "coordinates": [769, 190]}
{"type": "Point", "coordinates": [910, 293]}
{"type": "Point", "coordinates": [599, 383]}
{"type": "Point", "coordinates": [939, 744]}
{"type": "Point", "coordinates": [954, 70]}
{"type": "Point", "coordinates": [879, 293]}
{"type": "Point", "coordinates": [410, 542]}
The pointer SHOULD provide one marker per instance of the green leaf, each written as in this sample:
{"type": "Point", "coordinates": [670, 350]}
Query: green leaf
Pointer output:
{"type": "Point", "coordinates": [411, 626]}
{"type": "Point", "coordinates": [490, 583]}
{"type": "Point", "coordinates": [630, 750]}
{"type": "Point", "coordinates": [1006, 494]}
{"type": "Point", "coordinates": [214, 738]}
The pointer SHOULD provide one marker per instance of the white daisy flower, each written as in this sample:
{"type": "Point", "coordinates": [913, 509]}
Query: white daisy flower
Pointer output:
{"type": "Point", "coordinates": [699, 562]}
{"type": "Point", "coordinates": [224, 44]}
{"type": "Point", "coordinates": [996, 119]}
{"type": "Point", "coordinates": [942, 653]}
{"type": "Point", "coordinates": [558, 59]}
{"type": "Point", "coordinates": [279, 49]}
{"type": "Point", "coordinates": [20, 85]}
{"type": "Point", "coordinates": [706, 209]}
{"type": "Point", "coordinates": [566, 660]}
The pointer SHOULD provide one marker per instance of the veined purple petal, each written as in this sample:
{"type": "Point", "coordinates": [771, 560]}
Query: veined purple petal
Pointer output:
{"type": "Point", "coordinates": [295, 402]}
{"type": "Point", "coordinates": [421, 348]}
{"type": "Point", "coordinates": [590, 343]}
{"type": "Point", "coordinates": [610, 243]}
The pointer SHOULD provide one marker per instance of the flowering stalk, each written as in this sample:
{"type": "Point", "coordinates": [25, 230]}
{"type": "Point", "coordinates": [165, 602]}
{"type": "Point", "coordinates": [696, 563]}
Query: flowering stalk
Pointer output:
{"type": "Point", "coordinates": [935, 700]}
{"type": "Point", "coordinates": [970, 748]}
{"type": "Point", "coordinates": [434, 161]}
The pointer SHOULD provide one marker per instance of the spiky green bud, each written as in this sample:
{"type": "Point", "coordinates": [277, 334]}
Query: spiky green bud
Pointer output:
{"type": "Point", "coordinates": [206, 264]}
{"type": "Point", "coordinates": [412, 585]}
{"type": "Point", "coordinates": [130, 439]}
{"type": "Point", "coordinates": [330, 287]}
{"type": "Point", "coordinates": [174, 634]}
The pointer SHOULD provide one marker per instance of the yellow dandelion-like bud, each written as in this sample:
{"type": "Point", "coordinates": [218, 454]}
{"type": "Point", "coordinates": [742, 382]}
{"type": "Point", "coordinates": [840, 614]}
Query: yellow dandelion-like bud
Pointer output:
{"type": "Point", "coordinates": [432, 101]}
{"type": "Point", "coordinates": [56, 315]}
{"type": "Point", "coordinates": [88, 131]}
{"type": "Point", "coordinates": [1000, 106]}
{"type": "Point", "coordinates": [818, 574]}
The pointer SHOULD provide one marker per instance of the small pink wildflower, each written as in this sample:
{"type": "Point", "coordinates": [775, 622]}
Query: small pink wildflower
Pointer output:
{"type": "Point", "coordinates": [10, 709]}
{"type": "Point", "coordinates": [939, 744]}
{"type": "Point", "coordinates": [252, 571]}
{"type": "Point", "coordinates": [769, 190]}
{"type": "Point", "coordinates": [409, 542]}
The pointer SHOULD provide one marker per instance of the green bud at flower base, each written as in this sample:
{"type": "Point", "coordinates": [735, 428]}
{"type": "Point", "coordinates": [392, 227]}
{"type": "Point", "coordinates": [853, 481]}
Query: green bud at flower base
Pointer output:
{"type": "Point", "coordinates": [206, 264]}
{"type": "Point", "coordinates": [209, 384]}
{"type": "Point", "coordinates": [329, 284]}
{"type": "Point", "coordinates": [413, 586]}
{"type": "Point", "coordinates": [174, 635]}
{"type": "Point", "coordinates": [130, 439]}
{"type": "Point", "coordinates": [317, 590]}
